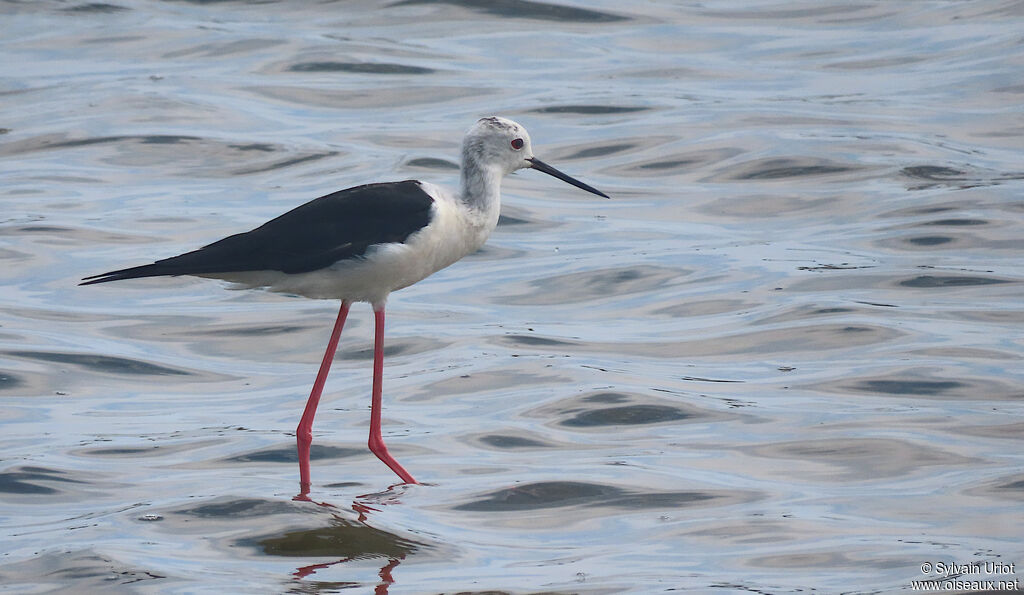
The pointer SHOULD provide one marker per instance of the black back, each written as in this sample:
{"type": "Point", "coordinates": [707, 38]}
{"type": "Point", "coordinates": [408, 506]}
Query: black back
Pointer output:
{"type": "Point", "coordinates": [338, 226]}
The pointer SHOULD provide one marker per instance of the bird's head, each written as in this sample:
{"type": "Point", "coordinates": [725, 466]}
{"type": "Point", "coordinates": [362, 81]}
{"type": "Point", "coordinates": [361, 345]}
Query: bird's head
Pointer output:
{"type": "Point", "coordinates": [502, 143]}
{"type": "Point", "coordinates": [499, 142]}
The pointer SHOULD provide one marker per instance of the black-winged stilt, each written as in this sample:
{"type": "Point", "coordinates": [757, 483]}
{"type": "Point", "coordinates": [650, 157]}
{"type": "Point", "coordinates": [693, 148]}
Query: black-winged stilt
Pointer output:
{"type": "Point", "coordinates": [360, 244]}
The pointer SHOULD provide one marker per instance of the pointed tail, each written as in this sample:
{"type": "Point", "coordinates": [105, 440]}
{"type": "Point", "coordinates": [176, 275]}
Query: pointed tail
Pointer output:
{"type": "Point", "coordinates": [146, 270]}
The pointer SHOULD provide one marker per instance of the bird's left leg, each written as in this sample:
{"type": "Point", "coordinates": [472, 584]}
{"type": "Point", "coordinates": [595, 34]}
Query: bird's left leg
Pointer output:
{"type": "Point", "coordinates": [376, 441]}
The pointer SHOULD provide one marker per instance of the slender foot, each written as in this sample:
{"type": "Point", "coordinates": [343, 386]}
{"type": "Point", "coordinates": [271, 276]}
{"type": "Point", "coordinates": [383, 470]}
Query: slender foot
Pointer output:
{"type": "Point", "coordinates": [376, 442]}
{"type": "Point", "coordinates": [304, 432]}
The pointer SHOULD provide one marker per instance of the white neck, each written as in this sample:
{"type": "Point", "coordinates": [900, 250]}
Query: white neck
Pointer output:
{"type": "Point", "coordinates": [481, 186]}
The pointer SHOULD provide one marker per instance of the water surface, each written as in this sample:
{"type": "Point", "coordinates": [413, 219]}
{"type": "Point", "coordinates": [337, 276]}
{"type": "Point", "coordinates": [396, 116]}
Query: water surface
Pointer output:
{"type": "Point", "coordinates": [784, 357]}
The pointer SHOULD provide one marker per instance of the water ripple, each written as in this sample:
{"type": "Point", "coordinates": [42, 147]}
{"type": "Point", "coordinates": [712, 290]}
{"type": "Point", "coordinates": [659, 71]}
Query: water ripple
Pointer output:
{"type": "Point", "coordinates": [557, 494]}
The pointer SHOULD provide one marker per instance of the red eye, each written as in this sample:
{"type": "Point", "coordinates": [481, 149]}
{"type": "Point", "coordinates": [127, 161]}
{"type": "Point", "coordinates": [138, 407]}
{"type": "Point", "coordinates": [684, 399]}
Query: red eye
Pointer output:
{"type": "Point", "coordinates": [517, 143]}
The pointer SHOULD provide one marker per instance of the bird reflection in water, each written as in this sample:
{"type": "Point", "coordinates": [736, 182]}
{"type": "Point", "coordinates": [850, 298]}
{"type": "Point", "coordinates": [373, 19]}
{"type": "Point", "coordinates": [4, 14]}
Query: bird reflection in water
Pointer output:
{"type": "Point", "coordinates": [347, 540]}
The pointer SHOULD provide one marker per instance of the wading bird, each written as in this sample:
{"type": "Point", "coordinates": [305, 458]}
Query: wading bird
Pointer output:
{"type": "Point", "coordinates": [362, 243]}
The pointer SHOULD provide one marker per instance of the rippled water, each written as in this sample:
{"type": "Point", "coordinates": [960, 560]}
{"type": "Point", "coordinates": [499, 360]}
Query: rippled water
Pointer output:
{"type": "Point", "coordinates": [785, 357]}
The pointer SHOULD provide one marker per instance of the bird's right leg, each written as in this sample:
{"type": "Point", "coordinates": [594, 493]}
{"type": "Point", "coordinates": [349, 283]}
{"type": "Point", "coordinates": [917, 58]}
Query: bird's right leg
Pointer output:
{"type": "Point", "coordinates": [304, 433]}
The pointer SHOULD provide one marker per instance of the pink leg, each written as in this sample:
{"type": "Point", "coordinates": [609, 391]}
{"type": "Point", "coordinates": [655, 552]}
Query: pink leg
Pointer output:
{"type": "Point", "coordinates": [376, 441]}
{"type": "Point", "coordinates": [304, 433]}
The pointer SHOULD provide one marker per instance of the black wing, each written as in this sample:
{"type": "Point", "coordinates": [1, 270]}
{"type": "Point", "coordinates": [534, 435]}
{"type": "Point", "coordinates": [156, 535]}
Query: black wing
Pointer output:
{"type": "Point", "coordinates": [312, 236]}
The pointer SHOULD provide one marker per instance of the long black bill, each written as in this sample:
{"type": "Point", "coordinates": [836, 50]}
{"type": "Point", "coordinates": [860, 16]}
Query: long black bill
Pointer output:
{"type": "Point", "coordinates": [539, 165]}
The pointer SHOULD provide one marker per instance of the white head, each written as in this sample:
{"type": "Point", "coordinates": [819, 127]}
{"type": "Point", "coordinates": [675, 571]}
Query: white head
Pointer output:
{"type": "Point", "coordinates": [499, 143]}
